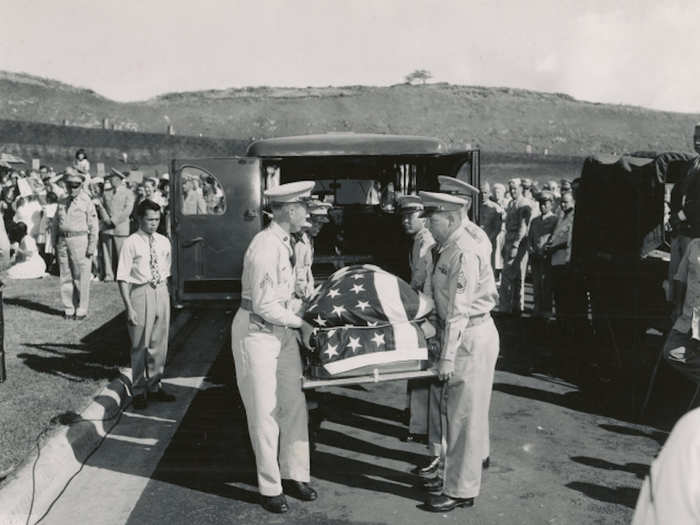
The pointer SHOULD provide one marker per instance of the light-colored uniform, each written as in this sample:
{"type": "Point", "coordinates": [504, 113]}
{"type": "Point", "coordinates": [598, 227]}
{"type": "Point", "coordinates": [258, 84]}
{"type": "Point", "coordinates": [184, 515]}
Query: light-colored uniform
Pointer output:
{"type": "Point", "coordinates": [671, 492]}
{"type": "Point", "coordinates": [118, 207]}
{"type": "Point", "coordinates": [464, 290]}
{"type": "Point", "coordinates": [76, 230]}
{"type": "Point", "coordinates": [512, 292]}
{"type": "Point", "coordinates": [304, 279]}
{"type": "Point", "coordinates": [268, 364]}
{"type": "Point", "coordinates": [150, 298]}
{"type": "Point", "coordinates": [491, 219]}
{"type": "Point", "coordinates": [424, 396]}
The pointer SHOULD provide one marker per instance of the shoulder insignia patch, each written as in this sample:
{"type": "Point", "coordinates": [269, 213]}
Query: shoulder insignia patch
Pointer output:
{"type": "Point", "coordinates": [266, 281]}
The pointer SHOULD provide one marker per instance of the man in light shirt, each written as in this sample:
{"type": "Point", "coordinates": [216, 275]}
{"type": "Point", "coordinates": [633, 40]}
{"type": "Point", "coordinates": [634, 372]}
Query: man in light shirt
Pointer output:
{"type": "Point", "coordinates": [144, 267]}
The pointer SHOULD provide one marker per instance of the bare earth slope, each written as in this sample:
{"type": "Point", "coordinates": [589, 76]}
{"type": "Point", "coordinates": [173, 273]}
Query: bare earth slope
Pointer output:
{"type": "Point", "coordinates": [496, 119]}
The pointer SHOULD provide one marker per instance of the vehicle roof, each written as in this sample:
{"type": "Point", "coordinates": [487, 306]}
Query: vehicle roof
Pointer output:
{"type": "Point", "coordinates": [345, 144]}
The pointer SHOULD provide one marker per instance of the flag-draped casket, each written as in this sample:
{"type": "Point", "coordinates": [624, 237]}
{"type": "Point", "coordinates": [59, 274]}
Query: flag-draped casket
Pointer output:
{"type": "Point", "coordinates": [365, 318]}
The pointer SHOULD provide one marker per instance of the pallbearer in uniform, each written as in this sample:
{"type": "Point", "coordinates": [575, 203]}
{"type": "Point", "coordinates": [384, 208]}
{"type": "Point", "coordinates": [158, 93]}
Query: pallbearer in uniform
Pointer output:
{"type": "Point", "coordinates": [304, 248]}
{"type": "Point", "coordinates": [142, 273]}
{"type": "Point", "coordinates": [75, 231]}
{"type": "Point", "coordinates": [465, 293]}
{"type": "Point", "coordinates": [424, 395]}
{"type": "Point", "coordinates": [266, 353]}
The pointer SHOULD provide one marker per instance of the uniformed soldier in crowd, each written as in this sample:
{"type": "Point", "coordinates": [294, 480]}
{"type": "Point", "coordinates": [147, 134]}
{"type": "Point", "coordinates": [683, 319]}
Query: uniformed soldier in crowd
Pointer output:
{"type": "Point", "coordinates": [515, 258]}
{"type": "Point", "coordinates": [115, 213]}
{"type": "Point", "coordinates": [142, 272]}
{"type": "Point", "coordinates": [464, 291]}
{"type": "Point", "coordinates": [266, 353]}
{"type": "Point", "coordinates": [424, 396]}
{"type": "Point", "coordinates": [541, 229]}
{"type": "Point", "coordinates": [499, 197]}
{"type": "Point", "coordinates": [529, 188]}
{"type": "Point", "coordinates": [75, 230]}
{"type": "Point", "coordinates": [491, 217]}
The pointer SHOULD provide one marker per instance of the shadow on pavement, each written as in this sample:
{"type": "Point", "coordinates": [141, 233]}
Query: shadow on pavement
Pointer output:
{"type": "Point", "coordinates": [626, 496]}
{"type": "Point", "coordinates": [33, 305]}
{"type": "Point", "coordinates": [638, 469]}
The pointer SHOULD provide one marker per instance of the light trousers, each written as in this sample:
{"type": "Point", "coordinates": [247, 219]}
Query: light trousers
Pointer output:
{"type": "Point", "coordinates": [149, 337]}
{"type": "Point", "coordinates": [268, 374]}
{"type": "Point", "coordinates": [468, 398]}
{"type": "Point", "coordinates": [74, 270]}
{"type": "Point", "coordinates": [425, 402]}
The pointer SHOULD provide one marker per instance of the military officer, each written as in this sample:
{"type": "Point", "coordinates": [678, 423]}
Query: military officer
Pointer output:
{"type": "Point", "coordinates": [518, 214]}
{"type": "Point", "coordinates": [466, 191]}
{"type": "Point", "coordinates": [266, 353]}
{"type": "Point", "coordinates": [491, 219]}
{"type": "Point", "coordinates": [423, 396]}
{"type": "Point", "coordinates": [115, 213]}
{"type": "Point", "coordinates": [304, 249]}
{"type": "Point", "coordinates": [540, 232]}
{"type": "Point", "coordinates": [75, 231]}
{"type": "Point", "coordinates": [464, 291]}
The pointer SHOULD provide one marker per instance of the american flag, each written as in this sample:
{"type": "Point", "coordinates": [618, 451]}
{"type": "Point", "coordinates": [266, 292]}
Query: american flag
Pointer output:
{"type": "Point", "coordinates": [366, 316]}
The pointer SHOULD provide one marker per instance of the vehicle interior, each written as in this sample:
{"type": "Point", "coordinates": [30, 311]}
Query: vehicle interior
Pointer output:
{"type": "Point", "coordinates": [364, 225]}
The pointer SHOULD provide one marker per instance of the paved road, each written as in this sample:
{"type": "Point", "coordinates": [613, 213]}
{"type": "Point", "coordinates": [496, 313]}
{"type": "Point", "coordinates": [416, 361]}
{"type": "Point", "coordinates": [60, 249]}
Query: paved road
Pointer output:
{"type": "Point", "coordinates": [553, 461]}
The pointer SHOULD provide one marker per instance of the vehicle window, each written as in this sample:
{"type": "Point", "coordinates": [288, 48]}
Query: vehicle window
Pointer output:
{"type": "Point", "coordinates": [202, 193]}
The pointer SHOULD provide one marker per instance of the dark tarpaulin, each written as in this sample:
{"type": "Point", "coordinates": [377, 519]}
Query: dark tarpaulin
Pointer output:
{"type": "Point", "coordinates": [620, 206]}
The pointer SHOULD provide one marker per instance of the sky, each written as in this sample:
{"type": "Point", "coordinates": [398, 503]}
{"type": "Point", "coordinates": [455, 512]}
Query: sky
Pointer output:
{"type": "Point", "coordinates": [639, 52]}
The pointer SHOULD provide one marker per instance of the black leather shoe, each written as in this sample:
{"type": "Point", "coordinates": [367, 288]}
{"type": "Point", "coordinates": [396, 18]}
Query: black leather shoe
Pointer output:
{"type": "Point", "coordinates": [161, 395]}
{"type": "Point", "coordinates": [276, 504]}
{"type": "Point", "coordinates": [433, 484]}
{"type": "Point", "coordinates": [139, 402]}
{"type": "Point", "coordinates": [80, 317]}
{"type": "Point", "coordinates": [299, 490]}
{"type": "Point", "coordinates": [444, 503]}
{"type": "Point", "coordinates": [429, 469]}
{"type": "Point", "coordinates": [486, 463]}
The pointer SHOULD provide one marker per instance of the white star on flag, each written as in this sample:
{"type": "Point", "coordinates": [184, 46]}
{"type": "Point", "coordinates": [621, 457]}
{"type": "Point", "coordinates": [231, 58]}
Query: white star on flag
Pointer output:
{"type": "Point", "coordinates": [333, 293]}
{"type": "Point", "coordinates": [357, 288]}
{"type": "Point", "coordinates": [330, 350]}
{"type": "Point", "coordinates": [354, 343]}
{"type": "Point", "coordinates": [338, 310]}
{"type": "Point", "coordinates": [356, 277]}
{"type": "Point", "coordinates": [320, 321]}
{"type": "Point", "coordinates": [362, 305]}
{"type": "Point", "coordinates": [378, 339]}
{"type": "Point", "coordinates": [372, 323]}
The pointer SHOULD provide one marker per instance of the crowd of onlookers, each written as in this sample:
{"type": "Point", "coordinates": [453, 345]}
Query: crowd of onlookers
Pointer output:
{"type": "Point", "coordinates": [28, 203]}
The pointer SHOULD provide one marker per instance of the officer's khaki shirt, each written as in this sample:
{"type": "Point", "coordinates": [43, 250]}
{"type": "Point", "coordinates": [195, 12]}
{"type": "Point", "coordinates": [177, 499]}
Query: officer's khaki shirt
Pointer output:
{"type": "Point", "coordinates": [78, 215]}
{"type": "Point", "coordinates": [420, 259]}
{"type": "Point", "coordinates": [463, 286]}
{"type": "Point", "coordinates": [481, 240]}
{"type": "Point", "coordinates": [563, 234]}
{"type": "Point", "coordinates": [268, 277]}
{"type": "Point", "coordinates": [303, 250]}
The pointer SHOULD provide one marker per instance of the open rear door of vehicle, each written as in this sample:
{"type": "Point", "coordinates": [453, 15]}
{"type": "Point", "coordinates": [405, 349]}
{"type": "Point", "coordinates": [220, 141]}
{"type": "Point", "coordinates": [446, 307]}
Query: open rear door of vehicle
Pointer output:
{"type": "Point", "coordinates": [215, 212]}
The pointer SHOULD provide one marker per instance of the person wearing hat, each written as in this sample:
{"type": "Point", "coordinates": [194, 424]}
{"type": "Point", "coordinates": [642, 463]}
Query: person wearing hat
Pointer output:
{"type": "Point", "coordinates": [142, 273]}
{"type": "Point", "coordinates": [466, 191]}
{"type": "Point", "coordinates": [115, 213]}
{"type": "Point", "coordinates": [491, 217]}
{"type": "Point", "coordinates": [266, 353]}
{"type": "Point", "coordinates": [423, 395]}
{"type": "Point", "coordinates": [529, 189]}
{"type": "Point", "coordinates": [518, 215]}
{"type": "Point", "coordinates": [464, 291]}
{"type": "Point", "coordinates": [75, 230]}
{"type": "Point", "coordinates": [540, 232]}
{"type": "Point", "coordinates": [193, 202]}
{"type": "Point", "coordinates": [304, 248]}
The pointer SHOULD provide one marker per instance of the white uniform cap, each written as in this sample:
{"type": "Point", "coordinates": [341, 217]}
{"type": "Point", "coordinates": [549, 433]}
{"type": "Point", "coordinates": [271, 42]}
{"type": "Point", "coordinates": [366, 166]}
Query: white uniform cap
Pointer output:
{"type": "Point", "coordinates": [291, 192]}
{"type": "Point", "coordinates": [439, 202]}
{"type": "Point", "coordinates": [456, 186]}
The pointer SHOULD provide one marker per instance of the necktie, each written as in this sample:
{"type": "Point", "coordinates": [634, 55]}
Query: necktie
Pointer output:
{"type": "Point", "coordinates": [293, 258]}
{"type": "Point", "coordinates": [153, 262]}
{"type": "Point", "coordinates": [435, 251]}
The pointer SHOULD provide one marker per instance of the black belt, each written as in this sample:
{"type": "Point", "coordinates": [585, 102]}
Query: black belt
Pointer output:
{"type": "Point", "coordinates": [71, 234]}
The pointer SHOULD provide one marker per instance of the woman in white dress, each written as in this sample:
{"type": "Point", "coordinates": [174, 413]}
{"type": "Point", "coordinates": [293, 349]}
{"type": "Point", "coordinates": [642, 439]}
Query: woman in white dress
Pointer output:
{"type": "Point", "coordinates": [28, 263]}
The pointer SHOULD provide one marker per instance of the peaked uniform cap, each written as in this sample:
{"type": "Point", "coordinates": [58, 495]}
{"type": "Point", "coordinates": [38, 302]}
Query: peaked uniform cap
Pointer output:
{"type": "Point", "coordinates": [456, 186]}
{"type": "Point", "coordinates": [410, 203]}
{"type": "Point", "coordinates": [439, 202]}
{"type": "Point", "coordinates": [291, 192]}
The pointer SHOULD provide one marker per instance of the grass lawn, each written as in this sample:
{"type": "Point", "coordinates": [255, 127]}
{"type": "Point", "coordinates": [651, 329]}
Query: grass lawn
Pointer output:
{"type": "Point", "coordinates": [54, 365]}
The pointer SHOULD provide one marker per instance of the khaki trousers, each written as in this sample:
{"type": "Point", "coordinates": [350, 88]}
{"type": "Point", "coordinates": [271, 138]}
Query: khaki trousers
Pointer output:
{"type": "Point", "coordinates": [425, 404]}
{"type": "Point", "coordinates": [111, 248]}
{"type": "Point", "coordinates": [75, 275]}
{"type": "Point", "coordinates": [268, 374]}
{"type": "Point", "coordinates": [149, 337]}
{"type": "Point", "coordinates": [512, 290]}
{"type": "Point", "coordinates": [468, 399]}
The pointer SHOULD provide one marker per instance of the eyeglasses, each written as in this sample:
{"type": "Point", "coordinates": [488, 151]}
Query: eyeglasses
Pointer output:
{"type": "Point", "coordinates": [74, 185]}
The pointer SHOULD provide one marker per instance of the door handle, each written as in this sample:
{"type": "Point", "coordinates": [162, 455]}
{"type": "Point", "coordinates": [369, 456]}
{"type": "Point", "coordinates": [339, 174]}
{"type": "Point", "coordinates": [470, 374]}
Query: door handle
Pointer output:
{"type": "Point", "coordinates": [250, 214]}
{"type": "Point", "coordinates": [192, 242]}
